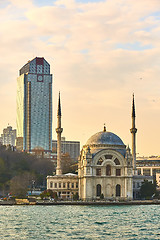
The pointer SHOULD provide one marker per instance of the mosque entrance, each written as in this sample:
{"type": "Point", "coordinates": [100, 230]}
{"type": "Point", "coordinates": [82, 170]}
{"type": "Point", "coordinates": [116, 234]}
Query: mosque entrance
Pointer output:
{"type": "Point", "coordinates": [98, 190]}
{"type": "Point", "coordinates": [118, 190]}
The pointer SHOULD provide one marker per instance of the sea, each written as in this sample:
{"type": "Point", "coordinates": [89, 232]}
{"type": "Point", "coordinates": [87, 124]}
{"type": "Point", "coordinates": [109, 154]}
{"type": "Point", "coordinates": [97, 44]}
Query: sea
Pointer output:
{"type": "Point", "coordinates": [80, 222]}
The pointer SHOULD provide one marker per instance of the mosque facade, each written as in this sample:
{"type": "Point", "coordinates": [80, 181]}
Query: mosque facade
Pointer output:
{"type": "Point", "coordinates": [105, 167]}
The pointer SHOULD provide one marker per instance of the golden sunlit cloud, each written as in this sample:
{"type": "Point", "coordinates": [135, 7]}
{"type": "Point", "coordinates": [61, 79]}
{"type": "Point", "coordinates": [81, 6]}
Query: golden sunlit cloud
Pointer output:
{"type": "Point", "coordinates": [99, 54]}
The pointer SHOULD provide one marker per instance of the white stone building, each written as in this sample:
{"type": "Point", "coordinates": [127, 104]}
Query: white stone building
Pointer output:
{"type": "Point", "coordinates": [65, 185]}
{"type": "Point", "coordinates": [148, 166]}
{"type": "Point", "coordinates": [105, 167]}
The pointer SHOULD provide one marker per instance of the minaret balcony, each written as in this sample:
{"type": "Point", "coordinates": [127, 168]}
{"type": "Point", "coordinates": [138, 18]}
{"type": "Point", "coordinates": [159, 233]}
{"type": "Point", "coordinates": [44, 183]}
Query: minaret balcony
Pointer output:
{"type": "Point", "coordinates": [133, 130]}
{"type": "Point", "coordinates": [59, 130]}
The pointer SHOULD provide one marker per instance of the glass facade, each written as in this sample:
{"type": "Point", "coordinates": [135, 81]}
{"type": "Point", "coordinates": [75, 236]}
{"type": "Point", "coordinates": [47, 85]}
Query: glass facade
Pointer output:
{"type": "Point", "coordinates": [34, 105]}
{"type": "Point", "coordinates": [20, 105]}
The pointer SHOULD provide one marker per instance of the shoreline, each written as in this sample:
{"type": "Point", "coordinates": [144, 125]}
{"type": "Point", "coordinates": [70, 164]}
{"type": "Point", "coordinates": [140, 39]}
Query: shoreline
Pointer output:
{"type": "Point", "coordinates": [83, 203]}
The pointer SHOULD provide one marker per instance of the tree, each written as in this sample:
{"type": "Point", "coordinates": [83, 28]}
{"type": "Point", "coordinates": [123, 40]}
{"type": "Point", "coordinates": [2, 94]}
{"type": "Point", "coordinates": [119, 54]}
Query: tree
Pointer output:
{"type": "Point", "coordinates": [4, 176]}
{"type": "Point", "coordinates": [48, 193]}
{"type": "Point", "coordinates": [75, 196]}
{"type": "Point", "coordinates": [147, 189]}
{"type": "Point", "coordinates": [68, 165]}
{"type": "Point", "coordinates": [19, 185]}
{"type": "Point", "coordinates": [14, 164]}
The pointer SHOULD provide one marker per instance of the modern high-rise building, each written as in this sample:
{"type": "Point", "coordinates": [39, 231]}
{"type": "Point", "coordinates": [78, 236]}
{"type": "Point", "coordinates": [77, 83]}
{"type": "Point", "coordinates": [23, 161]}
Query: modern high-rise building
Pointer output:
{"type": "Point", "coordinates": [70, 147]}
{"type": "Point", "coordinates": [34, 105]}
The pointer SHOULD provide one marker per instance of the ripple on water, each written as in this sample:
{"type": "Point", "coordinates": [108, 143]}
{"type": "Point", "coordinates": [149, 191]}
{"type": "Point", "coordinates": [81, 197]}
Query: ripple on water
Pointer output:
{"type": "Point", "coordinates": [79, 222]}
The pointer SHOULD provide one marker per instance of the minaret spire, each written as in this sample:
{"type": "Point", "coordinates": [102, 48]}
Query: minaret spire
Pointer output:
{"type": "Point", "coordinates": [59, 106]}
{"type": "Point", "coordinates": [133, 131]}
{"type": "Point", "coordinates": [59, 131]}
{"type": "Point", "coordinates": [133, 108]}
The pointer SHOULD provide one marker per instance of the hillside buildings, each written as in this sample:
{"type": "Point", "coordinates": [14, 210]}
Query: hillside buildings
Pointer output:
{"type": "Point", "coordinates": [34, 106]}
{"type": "Point", "coordinates": [148, 166]}
{"type": "Point", "coordinates": [8, 137]}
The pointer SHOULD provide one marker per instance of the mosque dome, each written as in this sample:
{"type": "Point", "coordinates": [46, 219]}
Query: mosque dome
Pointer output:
{"type": "Point", "coordinates": [105, 137]}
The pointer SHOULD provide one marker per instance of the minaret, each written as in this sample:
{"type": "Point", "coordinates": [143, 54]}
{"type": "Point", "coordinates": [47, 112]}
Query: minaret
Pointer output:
{"type": "Point", "coordinates": [133, 132]}
{"type": "Point", "coordinates": [59, 130]}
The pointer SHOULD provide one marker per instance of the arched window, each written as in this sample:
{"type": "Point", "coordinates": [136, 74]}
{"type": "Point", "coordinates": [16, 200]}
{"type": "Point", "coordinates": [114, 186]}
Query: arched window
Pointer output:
{"type": "Point", "coordinates": [118, 172]}
{"type": "Point", "coordinates": [98, 172]}
{"type": "Point", "coordinates": [98, 190]}
{"type": "Point", "coordinates": [117, 161]}
{"type": "Point", "coordinates": [51, 184]}
{"type": "Point", "coordinates": [118, 190]}
{"type": "Point", "coordinates": [108, 170]}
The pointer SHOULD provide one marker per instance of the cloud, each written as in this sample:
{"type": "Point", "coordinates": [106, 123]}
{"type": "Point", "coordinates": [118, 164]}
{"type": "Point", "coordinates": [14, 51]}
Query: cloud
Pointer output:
{"type": "Point", "coordinates": [98, 52]}
{"type": "Point", "coordinates": [19, 4]}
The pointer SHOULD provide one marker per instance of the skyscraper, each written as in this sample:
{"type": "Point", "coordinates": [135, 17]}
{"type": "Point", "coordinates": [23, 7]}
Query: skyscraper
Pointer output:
{"type": "Point", "coordinates": [34, 105]}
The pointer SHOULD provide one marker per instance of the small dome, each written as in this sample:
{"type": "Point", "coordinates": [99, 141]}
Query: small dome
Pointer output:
{"type": "Point", "coordinates": [105, 138]}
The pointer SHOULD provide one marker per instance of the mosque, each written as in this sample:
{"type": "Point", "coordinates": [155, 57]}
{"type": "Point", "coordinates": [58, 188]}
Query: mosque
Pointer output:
{"type": "Point", "coordinates": [106, 167]}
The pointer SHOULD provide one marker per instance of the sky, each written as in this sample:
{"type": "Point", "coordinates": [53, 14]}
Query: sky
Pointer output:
{"type": "Point", "coordinates": [100, 52]}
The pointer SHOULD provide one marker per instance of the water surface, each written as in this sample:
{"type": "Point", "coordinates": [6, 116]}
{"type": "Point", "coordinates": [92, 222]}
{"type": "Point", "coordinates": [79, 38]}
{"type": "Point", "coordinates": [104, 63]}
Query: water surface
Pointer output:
{"type": "Point", "coordinates": [80, 222]}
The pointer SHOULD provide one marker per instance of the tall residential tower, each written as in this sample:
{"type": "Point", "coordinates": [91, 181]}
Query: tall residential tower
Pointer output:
{"type": "Point", "coordinates": [34, 105]}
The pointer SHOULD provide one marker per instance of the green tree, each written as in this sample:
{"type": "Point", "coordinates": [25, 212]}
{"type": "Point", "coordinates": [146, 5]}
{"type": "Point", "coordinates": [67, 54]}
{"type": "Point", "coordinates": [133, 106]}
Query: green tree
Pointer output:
{"type": "Point", "coordinates": [147, 189]}
{"type": "Point", "coordinates": [75, 196]}
{"type": "Point", "coordinates": [48, 193]}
